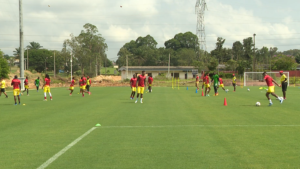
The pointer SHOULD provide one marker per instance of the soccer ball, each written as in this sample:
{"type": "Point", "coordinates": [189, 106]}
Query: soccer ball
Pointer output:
{"type": "Point", "coordinates": [257, 103]}
{"type": "Point", "coordinates": [248, 90]}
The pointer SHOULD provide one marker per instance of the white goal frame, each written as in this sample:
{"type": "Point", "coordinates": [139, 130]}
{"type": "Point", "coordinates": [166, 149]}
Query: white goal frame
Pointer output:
{"type": "Point", "coordinates": [269, 73]}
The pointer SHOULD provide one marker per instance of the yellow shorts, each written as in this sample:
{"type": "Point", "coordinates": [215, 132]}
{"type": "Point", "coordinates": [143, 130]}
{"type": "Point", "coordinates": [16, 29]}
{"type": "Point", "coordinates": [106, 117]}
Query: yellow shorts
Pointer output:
{"type": "Point", "coordinates": [204, 83]}
{"type": "Point", "coordinates": [84, 87]}
{"type": "Point", "coordinates": [141, 90]}
{"type": "Point", "coordinates": [71, 88]}
{"type": "Point", "coordinates": [221, 85]}
{"type": "Point", "coordinates": [207, 85]}
{"type": "Point", "coordinates": [133, 89]}
{"type": "Point", "coordinates": [271, 89]}
{"type": "Point", "coordinates": [197, 82]}
{"type": "Point", "coordinates": [26, 87]}
{"type": "Point", "coordinates": [47, 89]}
{"type": "Point", "coordinates": [16, 92]}
{"type": "Point", "coordinates": [150, 85]}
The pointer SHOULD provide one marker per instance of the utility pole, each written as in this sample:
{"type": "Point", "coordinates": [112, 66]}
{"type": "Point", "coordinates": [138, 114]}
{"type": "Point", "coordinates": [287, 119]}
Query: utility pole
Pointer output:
{"type": "Point", "coordinates": [100, 64]}
{"type": "Point", "coordinates": [27, 59]}
{"type": "Point", "coordinates": [54, 66]}
{"type": "Point", "coordinates": [169, 66]}
{"type": "Point", "coordinates": [21, 45]}
{"type": "Point", "coordinates": [253, 66]}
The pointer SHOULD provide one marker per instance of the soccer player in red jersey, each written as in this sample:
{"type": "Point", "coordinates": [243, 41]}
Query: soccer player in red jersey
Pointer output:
{"type": "Point", "coordinates": [141, 81]}
{"type": "Point", "coordinates": [26, 85]}
{"type": "Point", "coordinates": [81, 85]}
{"type": "Point", "coordinates": [72, 85]}
{"type": "Point", "coordinates": [84, 81]}
{"type": "Point", "coordinates": [133, 86]}
{"type": "Point", "coordinates": [197, 82]}
{"type": "Point", "coordinates": [269, 80]}
{"type": "Point", "coordinates": [221, 83]}
{"type": "Point", "coordinates": [16, 83]}
{"type": "Point", "coordinates": [46, 87]}
{"type": "Point", "coordinates": [207, 86]}
{"type": "Point", "coordinates": [150, 81]}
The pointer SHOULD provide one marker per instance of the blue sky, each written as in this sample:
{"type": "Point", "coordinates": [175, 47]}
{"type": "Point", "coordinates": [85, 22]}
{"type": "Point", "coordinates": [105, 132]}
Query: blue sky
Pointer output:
{"type": "Point", "coordinates": [274, 22]}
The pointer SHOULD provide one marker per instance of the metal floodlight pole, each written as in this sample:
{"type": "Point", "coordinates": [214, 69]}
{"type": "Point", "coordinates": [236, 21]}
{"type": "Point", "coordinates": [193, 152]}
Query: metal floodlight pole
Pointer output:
{"type": "Point", "coordinates": [253, 66]}
{"type": "Point", "coordinates": [21, 45]}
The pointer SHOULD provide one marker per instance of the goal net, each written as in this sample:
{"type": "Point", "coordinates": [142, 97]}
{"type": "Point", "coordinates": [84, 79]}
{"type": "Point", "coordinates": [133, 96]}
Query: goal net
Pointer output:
{"type": "Point", "coordinates": [257, 79]}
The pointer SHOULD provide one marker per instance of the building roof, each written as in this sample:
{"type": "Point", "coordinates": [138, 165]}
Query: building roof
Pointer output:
{"type": "Point", "coordinates": [157, 68]}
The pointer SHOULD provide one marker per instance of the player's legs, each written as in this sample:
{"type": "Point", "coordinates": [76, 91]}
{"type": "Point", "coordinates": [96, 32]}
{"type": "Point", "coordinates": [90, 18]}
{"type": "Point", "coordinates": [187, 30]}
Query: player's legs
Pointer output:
{"type": "Point", "coordinates": [203, 84]}
{"type": "Point", "coordinates": [19, 99]}
{"type": "Point", "coordinates": [37, 88]}
{"type": "Point", "coordinates": [215, 89]}
{"type": "Point", "coordinates": [284, 88]}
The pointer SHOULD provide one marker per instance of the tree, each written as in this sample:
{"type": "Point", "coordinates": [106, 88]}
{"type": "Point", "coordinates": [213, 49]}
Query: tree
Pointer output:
{"type": "Point", "coordinates": [218, 52]}
{"type": "Point", "coordinates": [284, 62]}
{"type": "Point", "coordinates": [237, 50]}
{"type": "Point", "coordinates": [4, 69]}
{"type": "Point", "coordinates": [38, 59]}
{"type": "Point", "coordinates": [297, 57]}
{"type": "Point", "coordinates": [88, 49]}
{"type": "Point", "coordinates": [34, 45]}
{"type": "Point", "coordinates": [213, 64]}
{"type": "Point", "coordinates": [183, 40]}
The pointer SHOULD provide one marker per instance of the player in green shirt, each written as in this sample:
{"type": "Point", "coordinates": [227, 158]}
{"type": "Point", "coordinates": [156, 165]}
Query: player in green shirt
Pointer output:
{"type": "Point", "coordinates": [215, 78]}
{"type": "Point", "coordinates": [37, 83]}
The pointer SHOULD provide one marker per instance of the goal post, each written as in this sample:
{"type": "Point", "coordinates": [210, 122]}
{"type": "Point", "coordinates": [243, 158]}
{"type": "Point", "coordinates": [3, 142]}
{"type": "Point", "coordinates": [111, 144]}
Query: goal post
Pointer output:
{"type": "Point", "coordinates": [257, 79]}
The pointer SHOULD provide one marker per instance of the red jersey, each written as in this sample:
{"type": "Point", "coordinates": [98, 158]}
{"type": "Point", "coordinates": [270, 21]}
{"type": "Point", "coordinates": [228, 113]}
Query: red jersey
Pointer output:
{"type": "Point", "coordinates": [269, 80]}
{"type": "Point", "coordinates": [142, 81]}
{"type": "Point", "coordinates": [197, 79]}
{"type": "Point", "coordinates": [16, 83]}
{"type": "Point", "coordinates": [26, 81]}
{"type": "Point", "coordinates": [84, 80]}
{"type": "Point", "coordinates": [133, 82]}
{"type": "Point", "coordinates": [150, 80]}
{"type": "Point", "coordinates": [207, 79]}
{"type": "Point", "coordinates": [47, 82]}
{"type": "Point", "coordinates": [221, 80]}
{"type": "Point", "coordinates": [204, 78]}
{"type": "Point", "coordinates": [81, 82]}
{"type": "Point", "coordinates": [72, 83]}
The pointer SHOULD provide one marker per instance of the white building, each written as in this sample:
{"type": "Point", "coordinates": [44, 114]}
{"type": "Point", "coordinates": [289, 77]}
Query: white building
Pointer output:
{"type": "Point", "coordinates": [181, 72]}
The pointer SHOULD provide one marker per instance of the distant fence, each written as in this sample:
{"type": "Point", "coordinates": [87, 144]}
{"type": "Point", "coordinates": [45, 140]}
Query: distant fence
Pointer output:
{"type": "Point", "coordinates": [292, 73]}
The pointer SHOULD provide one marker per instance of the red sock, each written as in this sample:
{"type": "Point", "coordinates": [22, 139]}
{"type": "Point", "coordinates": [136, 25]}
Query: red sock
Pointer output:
{"type": "Point", "coordinates": [45, 98]}
{"type": "Point", "coordinates": [50, 97]}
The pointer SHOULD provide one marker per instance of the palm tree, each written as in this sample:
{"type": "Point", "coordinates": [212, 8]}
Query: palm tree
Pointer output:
{"type": "Point", "coordinates": [16, 52]}
{"type": "Point", "coordinates": [34, 45]}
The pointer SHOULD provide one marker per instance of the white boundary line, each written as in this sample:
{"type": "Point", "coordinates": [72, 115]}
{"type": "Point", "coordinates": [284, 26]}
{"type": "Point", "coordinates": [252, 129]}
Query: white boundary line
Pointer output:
{"type": "Point", "coordinates": [53, 158]}
{"type": "Point", "coordinates": [170, 126]}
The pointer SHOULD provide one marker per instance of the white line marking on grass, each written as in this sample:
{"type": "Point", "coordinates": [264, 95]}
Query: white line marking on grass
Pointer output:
{"type": "Point", "coordinates": [53, 158]}
{"type": "Point", "coordinates": [170, 126]}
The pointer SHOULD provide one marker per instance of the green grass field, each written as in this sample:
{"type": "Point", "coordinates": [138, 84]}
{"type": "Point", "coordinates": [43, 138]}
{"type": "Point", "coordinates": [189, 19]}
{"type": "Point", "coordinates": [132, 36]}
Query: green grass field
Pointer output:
{"type": "Point", "coordinates": [171, 129]}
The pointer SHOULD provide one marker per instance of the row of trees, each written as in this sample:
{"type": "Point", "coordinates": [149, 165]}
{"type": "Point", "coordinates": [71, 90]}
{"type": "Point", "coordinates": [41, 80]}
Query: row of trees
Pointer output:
{"type": "Point", "coordinates": [87, 50]}
{"type": "Point", "coordinates": [184, 51]}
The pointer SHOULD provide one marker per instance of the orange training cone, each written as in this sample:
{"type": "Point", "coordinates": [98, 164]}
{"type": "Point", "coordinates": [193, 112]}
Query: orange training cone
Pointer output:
{"type": "Point", "coordinates": [225, 102]}
{"type": "Point", "coordinates": [202, 94]}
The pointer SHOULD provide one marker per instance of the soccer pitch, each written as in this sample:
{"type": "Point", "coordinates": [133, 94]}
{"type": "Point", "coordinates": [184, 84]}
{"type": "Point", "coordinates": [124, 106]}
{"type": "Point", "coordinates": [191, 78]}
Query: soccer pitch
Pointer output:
{"type": "Point", "coordinates": [171, 129]}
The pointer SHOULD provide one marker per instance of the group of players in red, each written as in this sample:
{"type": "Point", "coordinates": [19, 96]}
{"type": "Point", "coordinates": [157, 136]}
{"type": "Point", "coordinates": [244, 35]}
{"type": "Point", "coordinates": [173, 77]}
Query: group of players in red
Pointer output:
{"type": "Point", "coordinates": [139, 84]}
{"type": "Point", "coordinates": [84, 85]}
{"type": "Point", "coordinates": [16, 83]}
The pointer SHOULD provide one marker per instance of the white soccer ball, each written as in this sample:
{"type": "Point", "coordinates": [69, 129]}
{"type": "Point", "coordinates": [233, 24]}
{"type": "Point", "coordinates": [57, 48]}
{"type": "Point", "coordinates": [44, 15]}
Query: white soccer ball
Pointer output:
{"type": "Point", "coordinates": [248, 90]}
{"type": "Point", "coordinates": [257, 103]}
{"type": "Point", "coordinates": [227, 90]}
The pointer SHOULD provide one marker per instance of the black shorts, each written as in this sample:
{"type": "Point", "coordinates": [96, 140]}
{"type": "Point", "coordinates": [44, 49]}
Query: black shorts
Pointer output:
{"type": "Point", "coordinates": [234, 84]}
{"type": "Point", "coordinates": [284, 86]}
{"type": "Point", "coordinates": [2, 90]}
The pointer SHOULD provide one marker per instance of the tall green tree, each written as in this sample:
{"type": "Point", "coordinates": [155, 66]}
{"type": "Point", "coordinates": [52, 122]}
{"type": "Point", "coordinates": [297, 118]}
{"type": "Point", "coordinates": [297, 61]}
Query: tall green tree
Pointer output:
{"type": "Point", "coordinates": [34, 45]}
{"type": "Point", "coordinates": [4, 68]}
{"type": "Point", "coordinates": [237, 50]}
{"type": "Point", "coordinates": [284, 62]}
{"type": "Point", "coordinates": [183, 40]}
